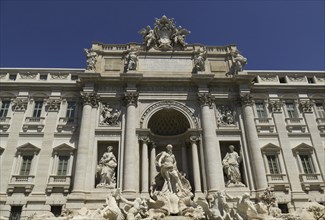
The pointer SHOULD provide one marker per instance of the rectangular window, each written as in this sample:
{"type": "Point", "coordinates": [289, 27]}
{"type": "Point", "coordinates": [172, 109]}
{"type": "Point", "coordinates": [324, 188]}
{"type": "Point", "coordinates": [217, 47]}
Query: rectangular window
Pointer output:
{"type": "Point", "coordinates": [310, 80]}
{"type": "Point", "coordinates": [4, 109]}
{"type": "Point", "coordinates": [272, 161]}
{"type": "Point", "coordinates": [63, 165]}
{"type": "Point", "coordinates": [43, 77]}
{"type": "Point", "coordinates": [26, 165]}
{"type": "Point", "coordinates": [71, 111]}
{"type": "Point", "coordinates": [307, 164]}
{"type": "Point", "coordinates": [260, 110]}
{"type": "Point", "coordinates": [291, 110]}
{"type": "Point", "coordinates": [15, 212]}
{"type": "Point", "coordinates": [37, 109]}
{"type": "Point", "coordinates": [320, 110]}
{"type": "Point", "coordinates": [12, 76]}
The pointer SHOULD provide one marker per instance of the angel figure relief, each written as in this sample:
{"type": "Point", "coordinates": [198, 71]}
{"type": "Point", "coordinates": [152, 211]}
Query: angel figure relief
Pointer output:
{"type": "Point", "coordinates": [148, 35]}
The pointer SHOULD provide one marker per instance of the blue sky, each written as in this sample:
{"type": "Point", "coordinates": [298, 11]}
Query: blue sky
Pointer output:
{"type": "Point", "coordinates": [273, 35]}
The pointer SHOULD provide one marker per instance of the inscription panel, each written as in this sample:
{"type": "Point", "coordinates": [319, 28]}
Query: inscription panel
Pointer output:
{"type": "Point", "coordinates": [217, 66]}
{"type": "Point", "coordinates": [113, 64]}
{"type": "Point", "coordinates": [166, 64]}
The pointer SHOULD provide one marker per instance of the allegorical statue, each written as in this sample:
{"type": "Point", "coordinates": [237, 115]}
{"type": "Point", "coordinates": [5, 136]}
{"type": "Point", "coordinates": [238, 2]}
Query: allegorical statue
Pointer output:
{"type": "Point", "coordinates": [109, 116]}
{"type": "Point", "coordinates": [231, 167]}
{"type": "Point", "coordinates": [239, 62]}
{"type": "Point", "coordinates": [199, 61]}
{"type": "Point", "coordinates": [91, 57]}
{"type": "Point", "coordinates": [105, 170]}
{"type": "Point", "coordinates": [131, 61]}
{"type": "Point", "coordinates": [166, 162]}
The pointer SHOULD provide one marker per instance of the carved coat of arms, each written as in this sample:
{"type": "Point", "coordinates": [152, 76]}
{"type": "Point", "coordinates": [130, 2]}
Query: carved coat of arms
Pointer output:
{"type": "Point", "coordinates": [165, 35]}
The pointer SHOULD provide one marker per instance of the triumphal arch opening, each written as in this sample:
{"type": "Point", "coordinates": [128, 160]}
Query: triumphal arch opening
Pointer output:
{"type": "Point", "coordinates": [162, 129]}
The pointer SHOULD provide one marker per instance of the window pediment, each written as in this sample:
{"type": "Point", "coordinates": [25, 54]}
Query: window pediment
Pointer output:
{"type": "Point", "coordinates": [63, 147]}
{"type": "Point", "coordinates": [270, 148]}
{"type": "Point", "coordinates": [28, 147]}
{"type": "Point", "coordinates": [303, 147]}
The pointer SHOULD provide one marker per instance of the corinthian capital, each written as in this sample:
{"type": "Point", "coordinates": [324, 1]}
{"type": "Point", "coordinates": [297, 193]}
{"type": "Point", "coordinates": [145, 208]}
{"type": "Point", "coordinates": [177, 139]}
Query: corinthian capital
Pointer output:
{"type": "Point", "coordinates": [275, 106]}
{"type": "Point", "coordinates": [20, 103]}
{"type": "Point", "coordinates": [306, 106]}
{"type": "Point", "coordinates": [131, 98]}
{"type": "Point", "coordinates": [53, 104]}
{"type": "Point", "coordinates": [246, 98]}
{"type": "Point", "coordinates": [144, 139]}
{"type": "Point", "coordinates": [90, 98]}
{"type": "Point", "coordinates": [205, 98]}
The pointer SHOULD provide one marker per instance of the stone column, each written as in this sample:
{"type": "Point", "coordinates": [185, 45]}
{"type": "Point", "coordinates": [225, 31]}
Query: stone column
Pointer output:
{"type": "Point", "coordinates": [89, 100]}
{"type": "Point", "coordinates": [131, 148]}
{"type": "Point", "coordinates": [20, 106]}
{"type": "Point", "coordinates": [184, 159]}
{"type": "Point", "coordinates": [253, 143]}
{"type": "Point", "coordinates": [153, 171]}
{"type": "Point", "coordinates": [279, 121]}
{"type": "Point", "coordinates": [144, 165]}
{"type": "Point", "coordinates": [196, 164]}
{"type": "Point", "coordinates": [306, 107]}
{"type": "Point", "coordinates": [212, 155]}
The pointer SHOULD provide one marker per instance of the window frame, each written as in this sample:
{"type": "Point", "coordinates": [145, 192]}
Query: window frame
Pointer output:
{"type": "Point", "coordinates": [294, 109]}
{"type": "Point", "coordinates": [4, 109]}
{"type": "Point", "coordinates": [38, 110]}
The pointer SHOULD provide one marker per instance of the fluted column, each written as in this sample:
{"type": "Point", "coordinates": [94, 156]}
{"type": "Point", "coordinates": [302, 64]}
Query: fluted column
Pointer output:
{"type": "Point", "coordinates": [196, 164]}
{"type": "Point", "coordinates": [212, 155]}
{"type": "Point", "coordinates": [131, 148]}
{"type": "Point", "coordinates": [89, 100]}
{"type": "Point", "coordinates": [153, 171]}
{"type": "Point", "coordinates": [184, 159]}
{"type": "Point", "coordinates": [252, 142]}
{"type": "Point", "coordinates": [144, 164]}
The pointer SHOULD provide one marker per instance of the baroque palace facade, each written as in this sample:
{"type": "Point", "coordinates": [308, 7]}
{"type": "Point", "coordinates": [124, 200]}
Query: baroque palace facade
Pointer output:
{"type": "Point", "coordinates": [230, 130]}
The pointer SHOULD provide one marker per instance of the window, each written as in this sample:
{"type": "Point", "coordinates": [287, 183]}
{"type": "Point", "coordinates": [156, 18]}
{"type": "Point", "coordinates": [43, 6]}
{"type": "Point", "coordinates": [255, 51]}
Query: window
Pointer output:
{"type": "Point", "coordinates": [320, 110]}
{"type": "Point", "coordinates": [74, 77]}
{"type": "Point", "coordinates": [56, 210]}
{"type": "Point", "coordinates": [15, 212]}
{"type": "Point", "coordinates": [63, 165]}
{"type": "Point", "coordinates": [291, 110]}
{"type": "Point", "coordinates": [71, 110]}
{"type": "Point", "coordinates": [307, 164]}
{"type": "Point", "coordinates": [37, 109]}
{"type": "Point", "coordinates": [43, 77]}
{"type": "Point", "coordinates": [260, 110]}
{"type": "Point", "coordinates": [12, 77]}
{"type": "Point", "coordinates": [282, 80]}
{"type": "Point", "coordinates": [26, 165]}
{"type": "Point", "coordinates": [273, 163]}
{"type": "Point", "coordinates": [310, 80]}
{"type": "Point", "coordinates": [4, 109]}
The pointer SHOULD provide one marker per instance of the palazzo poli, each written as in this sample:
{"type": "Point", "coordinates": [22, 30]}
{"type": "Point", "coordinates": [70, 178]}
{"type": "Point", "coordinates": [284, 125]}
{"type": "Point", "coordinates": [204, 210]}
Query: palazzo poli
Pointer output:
{"type": "Point", "coordinates": [162, 129]}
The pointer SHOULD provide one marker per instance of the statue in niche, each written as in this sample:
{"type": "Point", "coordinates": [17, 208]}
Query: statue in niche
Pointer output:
{"type": "Point", "coordinates": [91, 57]}
{"type": "Point", "coordinates": [166, 163]}
{"type": "Point", "coordinates": [131, 61]}
{"type": "Point", "coordinates": [105, 170]}
{"type": "Point", "coordinates": [230, 165]}
{"type": "Point", "coordinates": [239, 62]}
{"type": "Point", "coordinates": [199, 61]}
{"type": "Point", "coordinates": [225, 116]}
{"type": "Point", "coordinates": [109, 116]}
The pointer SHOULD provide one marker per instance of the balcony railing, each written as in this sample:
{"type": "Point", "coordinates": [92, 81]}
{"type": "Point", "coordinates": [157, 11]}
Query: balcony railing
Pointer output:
{"type": "Point", "coordinates": [21, 181]}
{"type": "Point", "coordinates": [34, 123]}
{"type": "Point", "coordinates": [295, 124]}
{"type": "Point", "coordinates": [309, 180]}
{"type": "Point", "coordinates": [321, 124]}
{"type": "Point", "coordinates": [67, 124]}
{"type": "Point", "coordinates": [264, 124]}
{"type": "Point", "coordinates": [5, 123]}
{"type": "Point", "coordinates": [59, 182]}
{"type": "Point", "coordinates": [278, 181]}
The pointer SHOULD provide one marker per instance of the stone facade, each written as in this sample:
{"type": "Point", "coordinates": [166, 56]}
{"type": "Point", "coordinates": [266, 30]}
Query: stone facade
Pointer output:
{"type": "Point", "coordinates": [56, 125]}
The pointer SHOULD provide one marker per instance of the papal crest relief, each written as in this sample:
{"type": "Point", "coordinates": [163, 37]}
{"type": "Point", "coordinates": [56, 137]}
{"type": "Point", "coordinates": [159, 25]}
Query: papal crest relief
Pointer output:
{"type": "Point", "coordinates": [165, 35]}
